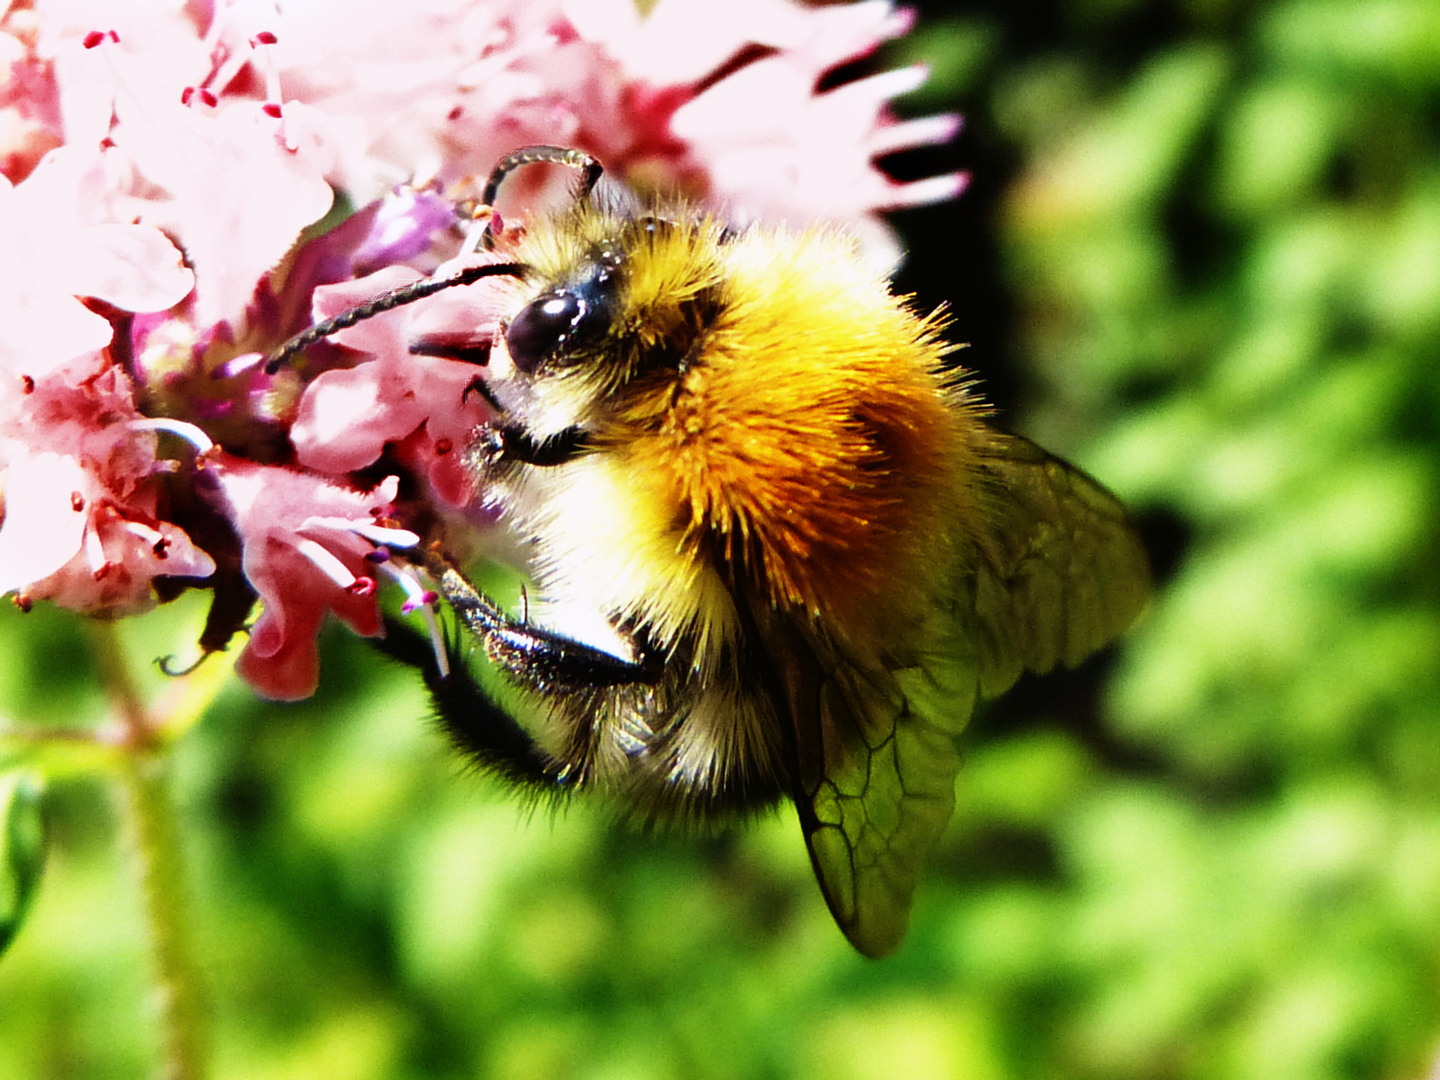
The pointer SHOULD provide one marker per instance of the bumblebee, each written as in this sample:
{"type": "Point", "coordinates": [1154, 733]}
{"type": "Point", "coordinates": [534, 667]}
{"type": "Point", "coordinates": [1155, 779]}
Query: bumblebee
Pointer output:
{"type": "Point", "coordinates": [807, 552]}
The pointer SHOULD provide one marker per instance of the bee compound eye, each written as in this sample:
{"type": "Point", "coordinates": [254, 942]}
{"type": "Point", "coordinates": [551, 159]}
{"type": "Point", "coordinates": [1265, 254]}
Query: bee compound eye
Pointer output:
{"type": "Point", "coordinates": [541, 328]}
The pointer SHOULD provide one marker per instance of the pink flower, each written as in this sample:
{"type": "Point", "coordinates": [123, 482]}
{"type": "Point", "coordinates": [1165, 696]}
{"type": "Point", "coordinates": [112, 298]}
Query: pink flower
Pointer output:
{"type": "Point", "coordinates": [306, 546]}
{"type": "Point", "coordinates": [29, 104]}
{"type": "Point", "coordinates": [348, 416]}
{"type": "Point", "coordinates": [717, 99]}
{"type": "Point", "coordinates": [229, 186]}
{"type": "Point", "coordinates": [767, 145]}
{"type": "Point", "coordinates": [83, 525]}
{"type": "Point", "coordinates": [53, 257]}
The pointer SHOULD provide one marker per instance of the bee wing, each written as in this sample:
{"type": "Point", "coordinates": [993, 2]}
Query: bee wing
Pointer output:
{"type": "Point", "coordinates": [1057, 573]}
{"type": "Point", "coordinates": [1060, 572]}
{"type": "Point", "coordinates": [879, 788]}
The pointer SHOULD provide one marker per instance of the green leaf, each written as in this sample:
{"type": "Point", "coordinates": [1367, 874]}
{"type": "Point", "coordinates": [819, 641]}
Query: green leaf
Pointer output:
{"type": "Point", "coordinates": [22, 849]}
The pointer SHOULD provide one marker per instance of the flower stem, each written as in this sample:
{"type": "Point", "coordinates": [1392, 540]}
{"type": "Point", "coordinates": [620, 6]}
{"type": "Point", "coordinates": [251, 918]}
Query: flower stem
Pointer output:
{"type": "Point", "coordinates": [157, 848]}
{"type": "Point", "coordinates": [155, 841]}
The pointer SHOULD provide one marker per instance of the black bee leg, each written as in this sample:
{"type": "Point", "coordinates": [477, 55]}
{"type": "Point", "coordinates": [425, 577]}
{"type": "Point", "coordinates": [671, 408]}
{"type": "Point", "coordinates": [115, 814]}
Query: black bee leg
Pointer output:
{"type": "Point", "coordinates": [481, 389]}
{"type": "Point", "coordinates": [536, 658]}
{"type": "Point", "coordinates": [505, 444]}
{"type": "Point", "coordinates": [477, 724]}
{"type": "Point", "coordinates": [533, 658]}
{"type": "Point", "coordinates": [464, 350]}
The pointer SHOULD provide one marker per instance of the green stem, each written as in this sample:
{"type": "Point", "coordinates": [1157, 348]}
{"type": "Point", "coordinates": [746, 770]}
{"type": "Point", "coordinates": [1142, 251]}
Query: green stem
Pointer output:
{"type": "Point", "coordinates": [157, 848]}
{"type": "Point", "coordinates": [156, 842]}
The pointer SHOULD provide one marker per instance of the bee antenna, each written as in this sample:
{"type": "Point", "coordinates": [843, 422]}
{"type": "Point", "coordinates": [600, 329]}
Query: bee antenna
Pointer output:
{"type": "Point", "coordinates": [405, 294]}
{"type": "Point", "coordinates": [589, 167]}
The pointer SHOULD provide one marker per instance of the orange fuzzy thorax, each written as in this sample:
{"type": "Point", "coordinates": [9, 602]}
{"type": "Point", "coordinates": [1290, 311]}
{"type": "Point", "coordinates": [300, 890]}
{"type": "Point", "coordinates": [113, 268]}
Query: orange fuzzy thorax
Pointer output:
{"type": "Point", "coordinates": [813, 446]}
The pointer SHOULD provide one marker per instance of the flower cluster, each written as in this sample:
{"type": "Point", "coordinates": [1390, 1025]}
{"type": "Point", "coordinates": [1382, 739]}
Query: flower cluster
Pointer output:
{"type": "Point", "coordinates": [183, 187]}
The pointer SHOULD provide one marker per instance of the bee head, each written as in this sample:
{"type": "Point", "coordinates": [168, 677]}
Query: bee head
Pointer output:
{"type": "Point", "coordinates": [616, 302]}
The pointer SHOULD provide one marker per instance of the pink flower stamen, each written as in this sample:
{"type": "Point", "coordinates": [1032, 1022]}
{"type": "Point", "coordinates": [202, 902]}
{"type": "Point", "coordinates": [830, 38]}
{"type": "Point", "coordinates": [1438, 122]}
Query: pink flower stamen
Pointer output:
{"type": "Point", "coordinates": [274, 95]}
{"type": "Point", "coordinates": [122, 83]}
{"type": "Point", "coordinates": [379, 535]}
{"type": "Point", "coordinates": [416, 595]}
{"type": "Point", "coordinates": [437, 641]}
{"type": "Point", "coordinates": [261, 43]}
{"type": "Point", "coordinates": [207, 97]}
{"type": "Point", "coordinates": [95, 553]}
{"type": "Point", "coordinates": [418, 598]}
{"type": "Point", "coordinates": [362, 586]}
{"type": "Point", "coordinates": [326, 562]}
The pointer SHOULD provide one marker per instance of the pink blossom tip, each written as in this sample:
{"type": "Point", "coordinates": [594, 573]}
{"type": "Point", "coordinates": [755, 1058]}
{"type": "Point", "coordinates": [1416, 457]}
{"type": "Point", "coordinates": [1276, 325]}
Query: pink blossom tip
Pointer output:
{"type": "Point", "coordinates": [361, 586]}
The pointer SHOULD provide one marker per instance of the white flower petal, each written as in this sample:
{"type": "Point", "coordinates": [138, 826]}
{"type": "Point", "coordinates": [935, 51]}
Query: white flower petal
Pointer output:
{"type": "Point", "coordinates": [133, 267]}
{"type": "Point", "coordinates": [43, 530]}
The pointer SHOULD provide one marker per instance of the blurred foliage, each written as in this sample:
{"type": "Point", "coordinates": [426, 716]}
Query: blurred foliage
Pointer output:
{"type": "Point", "coordinates": [22, 849]}
{"type": "Point", "coordinates": [1201, 255]}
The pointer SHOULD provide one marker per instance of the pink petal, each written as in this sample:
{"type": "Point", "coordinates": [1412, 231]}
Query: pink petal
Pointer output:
{"type": "Point", "coordinates": [131, 266]}
{"type": "Point", "coordinates": [278, 512]}
{"type": "Point", "coordinates": [230, 191]}
{"type": "Point", "coordinates": [347, 416]}
{"type": "Point", "coordinates": [127, 557]}
{"type": "Point", "coordinates": [45, 515]}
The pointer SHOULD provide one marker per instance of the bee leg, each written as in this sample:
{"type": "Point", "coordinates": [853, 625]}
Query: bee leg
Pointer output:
{"type": "Point", "coordinates": [475, 723]}
{"type": "Point", "coordinates": [533, 658]}
{"type": "Point", "coordinates": [463, 350]}
{"type": "Point", "coordinates": [536, 658]}
{"type": "Point", "coordinates": [510, 444]}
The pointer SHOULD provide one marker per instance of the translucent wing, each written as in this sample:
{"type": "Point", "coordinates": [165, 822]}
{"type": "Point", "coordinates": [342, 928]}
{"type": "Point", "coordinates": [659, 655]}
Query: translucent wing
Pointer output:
{"type": "Point", "coordinates": [884, 789]}
{"type": "Point", "coordinates": [1060, 571]}
{"type": "Point", "coordinates": [1055, 575]}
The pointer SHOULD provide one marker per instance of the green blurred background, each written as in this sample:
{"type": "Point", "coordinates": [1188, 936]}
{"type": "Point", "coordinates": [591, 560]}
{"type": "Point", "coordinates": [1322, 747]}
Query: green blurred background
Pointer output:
{"type": "Point", "coordinates": [1201, 256]}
